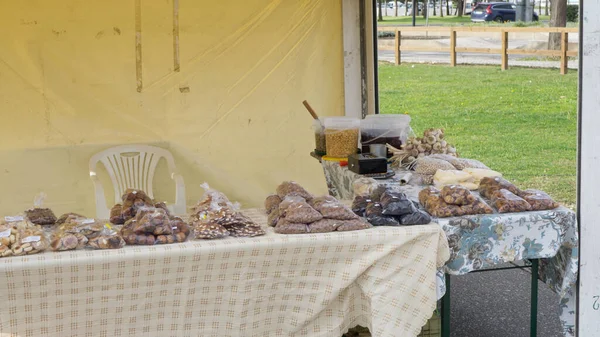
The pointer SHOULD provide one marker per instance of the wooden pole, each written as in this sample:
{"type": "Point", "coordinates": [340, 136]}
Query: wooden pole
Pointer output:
{"type": "Point", "coordinates": [397, 47]}
{"type": "Point", "coordinates": [564, 47]}
{"type": "Point", "coordinates": [504, 65]}
{"type": "Point", "coordinates": [452, 47]}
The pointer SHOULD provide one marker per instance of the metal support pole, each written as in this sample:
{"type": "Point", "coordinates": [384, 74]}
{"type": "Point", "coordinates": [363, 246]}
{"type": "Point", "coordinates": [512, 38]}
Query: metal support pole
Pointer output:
{"type": "Point", "coordinates": [446, 309]}
{"type": "Point", "coordinates": [414, 12]}
{"type": "Point", "coordinates": [534, 297]}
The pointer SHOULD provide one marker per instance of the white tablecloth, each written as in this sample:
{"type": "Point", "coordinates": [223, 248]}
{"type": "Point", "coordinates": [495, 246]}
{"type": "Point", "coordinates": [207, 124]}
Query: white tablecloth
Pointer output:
{"type": "Point", "coordinates": [275, 285]}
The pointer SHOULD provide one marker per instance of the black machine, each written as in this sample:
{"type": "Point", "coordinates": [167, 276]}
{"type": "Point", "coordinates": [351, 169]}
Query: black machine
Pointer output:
{"type": "Point", "coordinates": [367, 163]}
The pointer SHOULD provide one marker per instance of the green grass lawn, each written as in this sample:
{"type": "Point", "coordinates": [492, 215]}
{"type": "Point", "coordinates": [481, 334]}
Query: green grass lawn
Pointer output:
{"type": "Point", "coordinates": [521, 122]}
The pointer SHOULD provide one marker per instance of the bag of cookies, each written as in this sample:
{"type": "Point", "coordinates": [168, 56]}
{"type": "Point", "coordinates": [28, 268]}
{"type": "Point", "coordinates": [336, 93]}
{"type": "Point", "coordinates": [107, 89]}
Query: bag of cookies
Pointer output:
{"type": "Point", "coordinates": [457, 195]}
{"type": "Point", "coordinates": [489, 185]}
{"type": "Point", "coordinates": [107, 239]}
{"type": "Point", "coordinates": [539, 200]}
{"type": "Point", "coordinates": [39, 215]}
{"type": "Point", "coordinates": [507, 202]}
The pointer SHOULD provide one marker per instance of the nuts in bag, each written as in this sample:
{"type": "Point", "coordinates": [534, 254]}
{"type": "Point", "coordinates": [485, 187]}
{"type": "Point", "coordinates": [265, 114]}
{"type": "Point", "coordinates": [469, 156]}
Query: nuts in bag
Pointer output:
{"type": "Point", "coordinates": [290, 187]}
{"type": "Point", "coordinates": [333, 209]}
{"type": "Point", "coordinates": [353, 225]}
{"type": "Point", "coordinates": [273, 218]}
{"type": "Point", "coordinates": [359, 204]}
{"type": "Point", "coordinates": [417, 218]}
{"type": "Point", "coordinates": [324, 226]}
{"type": "Point", "coordinates": [489, 185]}
{"type": "Point", "coordinates": [374, 214]}
{"type": "Point", "coordinates": [301, 212]}
{"type": "Point", "coordinates": [272, 203]}
{"type": "Point", "coordinates": [286, 227]}
{"type": "Point", "coordinates": [287, 201]}
{"type": "Point", "coordinates": [507, 202]}
{"type": "Point", "coordinates": [539, 200]}
{"type": "Point", "coordinates": [396, 203]}
{"type": "Point", "coordinates": [457, 195]}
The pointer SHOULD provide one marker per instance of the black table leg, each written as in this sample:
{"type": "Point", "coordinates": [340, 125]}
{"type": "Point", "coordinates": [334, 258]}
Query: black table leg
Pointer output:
{"type": "Point", "coordinates": [534, 297]}
{"type": "Point", "coordinates": [446, 309]}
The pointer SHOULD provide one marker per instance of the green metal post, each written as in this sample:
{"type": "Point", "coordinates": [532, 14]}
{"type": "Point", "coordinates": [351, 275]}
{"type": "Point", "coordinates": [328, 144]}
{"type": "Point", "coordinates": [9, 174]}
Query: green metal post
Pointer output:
{"type": "Point", "coordinates": [534, 297]}
{"type": "Point", "coordinates": [446, 309]}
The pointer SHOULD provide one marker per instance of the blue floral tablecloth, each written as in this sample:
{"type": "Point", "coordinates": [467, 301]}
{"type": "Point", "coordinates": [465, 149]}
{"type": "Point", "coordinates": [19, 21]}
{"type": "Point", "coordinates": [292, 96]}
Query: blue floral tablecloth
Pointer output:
{"type": "Point", "coordinates": [482, 241]}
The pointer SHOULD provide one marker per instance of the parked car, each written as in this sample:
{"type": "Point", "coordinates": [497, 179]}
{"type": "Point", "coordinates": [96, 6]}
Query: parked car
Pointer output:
{"type": "Point", "coordinates": [496, 11]}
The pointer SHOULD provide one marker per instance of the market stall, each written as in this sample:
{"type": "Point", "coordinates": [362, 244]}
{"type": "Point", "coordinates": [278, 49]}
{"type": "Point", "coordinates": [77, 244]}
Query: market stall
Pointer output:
{"type": "Point", "coordinates": [488, 221]}
{"type": "Point", "coordinates": [235, 276]}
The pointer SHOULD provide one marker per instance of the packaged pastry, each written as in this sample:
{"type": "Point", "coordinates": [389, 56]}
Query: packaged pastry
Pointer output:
{"type": "Point", "coordinates": [39, 215]}
{"type": "Point", "coordinates": [107, 239]}
{"type": "Point", "coordinates": [19, 236]}
{"type": "Point", "coordinates": [538, 200]}
{"type": "Point", "coordinates": [507, 202]}
{"type": "Point", "coordinates": [489, 185]}
{"type": "Point", "coordinates": [152, 229]}
{"type": "Point", "coordinates": [429, 166]}
{"type": "Point", "coordinates": [132, 200]}
{"type": "Point", "coordinates": [457, 195]}
{"type": "Point", "coordinates": [210, 231]}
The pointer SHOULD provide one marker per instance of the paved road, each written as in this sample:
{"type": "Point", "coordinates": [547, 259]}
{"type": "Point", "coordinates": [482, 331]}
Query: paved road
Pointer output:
{"type": "Point", "coordinates": [469, 58]}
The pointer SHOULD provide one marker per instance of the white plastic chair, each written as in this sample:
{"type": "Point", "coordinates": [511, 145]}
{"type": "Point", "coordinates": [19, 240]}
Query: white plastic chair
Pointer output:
{"type": "Point", "coordinates": [133, 166]}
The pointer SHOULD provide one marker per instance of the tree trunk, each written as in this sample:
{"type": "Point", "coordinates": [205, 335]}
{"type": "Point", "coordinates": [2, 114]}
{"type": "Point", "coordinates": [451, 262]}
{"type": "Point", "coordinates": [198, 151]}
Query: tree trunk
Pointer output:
{"type": "Point", "coordinates": [441, 9]}
{"type": "Point", "coordinates": [558, 18]}
{"type": "Point", "coordinates": [425, 8]}
{"type": "Point", "coordinates": [396, 7]}
{"type": "Point", "coordinates": [405, 7]}
{"type": "Point", "coordinates": [547, 7]}
{"type": "Point", "coordinates": [434, 8]}
{"type": "Point", "coordinates": [460, 6]}
{"type": "Point", "coordinates": [380, 10]}
{"type": "Point", "coordinates": [447, 7]}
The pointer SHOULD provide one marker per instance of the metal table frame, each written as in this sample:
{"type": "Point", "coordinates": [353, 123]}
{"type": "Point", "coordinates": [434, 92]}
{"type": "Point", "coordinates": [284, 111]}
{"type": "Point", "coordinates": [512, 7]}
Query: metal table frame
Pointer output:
{"type": "Point", "coordinates": [534, 298]}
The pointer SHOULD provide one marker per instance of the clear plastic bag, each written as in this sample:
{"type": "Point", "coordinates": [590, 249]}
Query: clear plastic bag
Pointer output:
{"type": "Point", "coordinates": [428, 166]}
{"type": "Point", "coordinates": [359, 204]}
{"type": "Point", "coordinates": [507, 202]}
{"type": "Point", "coordinates": [28, 238]}
{"type": "Point", "coordinates": [292, 188]}
{"type": "Point", "coordinates": [318, 201]}
{"type": "Point", "coordinates": [353, 225]}
{"type": "Point", "coordinates": [286, 227]}
{"type": "Point", "coordinates": [273, 218]}
{"type": "Point", "coordinates": [39, 215]}
{"type": "Point", "coordinates": [396, 203]}
{"type": "Point", "coordinates": [457, 195]}
{"type": "Point", "coordinates": [64, 240]}
{"type": "Point", "coordinates": [324, 226]}
{"type": "Point", "coordinates": [374, 215]}
{"type": "Point", "coordinates": [107, 239]}
{"type": "Point", "coordinates": [152, 221]}
{"type": "Point", "coordinates": [153, 230]}
{"type": "Point", "coordinates": [272, 203]}
{"type": "Point", "coordinates": [335, 210]}
{"type": "Point", "coordinates": [245, 231]}
{"type": "Point", "coordinates": [210, 231]}
{"type": "Point", "coordinates": [539, 200]}
{"type": "Point", "coordinates": [489, 185]}
{"type": "Point", "coordinates": [364, 186]}
{"type": "Point", "coordinates": [378, 192]}
{"type": "Point", "coordinates": [417, 218]}
{"type": "Point", "coordinates": [301, 212]}
{"type": "Point", "coordinates": [287, 201]}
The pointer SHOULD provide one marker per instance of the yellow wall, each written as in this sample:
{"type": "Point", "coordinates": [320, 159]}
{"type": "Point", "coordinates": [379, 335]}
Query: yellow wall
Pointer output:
{"type": "Point", "coordinates": [232, 116]}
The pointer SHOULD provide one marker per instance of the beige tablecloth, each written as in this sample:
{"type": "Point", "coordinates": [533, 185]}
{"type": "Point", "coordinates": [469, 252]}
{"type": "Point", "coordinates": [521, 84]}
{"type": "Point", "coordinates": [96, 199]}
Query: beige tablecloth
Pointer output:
{"type": "Point", "coordinates": [275, 285]}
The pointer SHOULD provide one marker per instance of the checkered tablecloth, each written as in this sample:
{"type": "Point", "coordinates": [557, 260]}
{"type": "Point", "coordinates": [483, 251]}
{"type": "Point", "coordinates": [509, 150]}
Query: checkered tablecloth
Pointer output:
{"type": "Point", "coordinates": [275, 285]}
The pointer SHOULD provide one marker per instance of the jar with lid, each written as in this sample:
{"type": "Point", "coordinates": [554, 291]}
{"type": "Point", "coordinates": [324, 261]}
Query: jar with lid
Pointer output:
{"type": "Point", "coordinates": [341, 136]}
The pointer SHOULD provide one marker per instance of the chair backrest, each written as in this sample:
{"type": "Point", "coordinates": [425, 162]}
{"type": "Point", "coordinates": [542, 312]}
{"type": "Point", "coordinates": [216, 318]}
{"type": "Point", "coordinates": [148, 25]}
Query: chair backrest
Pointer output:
{"type": "Point", "coordinates": [132, 166]}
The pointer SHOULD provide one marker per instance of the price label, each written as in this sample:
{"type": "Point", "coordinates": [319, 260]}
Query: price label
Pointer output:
{"type": "Point", "coordinates": [13, 218]}
{"type": "Point", "coordinates": [31, 239]}
{"type": "Point", "coordinates": [5, 234]}
{"type": "Point", "coordinates": [87, 221]}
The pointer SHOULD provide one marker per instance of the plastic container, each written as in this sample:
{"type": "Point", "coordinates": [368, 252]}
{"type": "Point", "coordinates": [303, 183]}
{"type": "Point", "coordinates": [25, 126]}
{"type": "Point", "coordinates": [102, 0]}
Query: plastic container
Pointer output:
{"type": "Point", "coordinates": [320, 141]}
{"type": "Point", "coordinates": [341, 136]}
{"type": "Point", "coordinates": [385, 129]}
